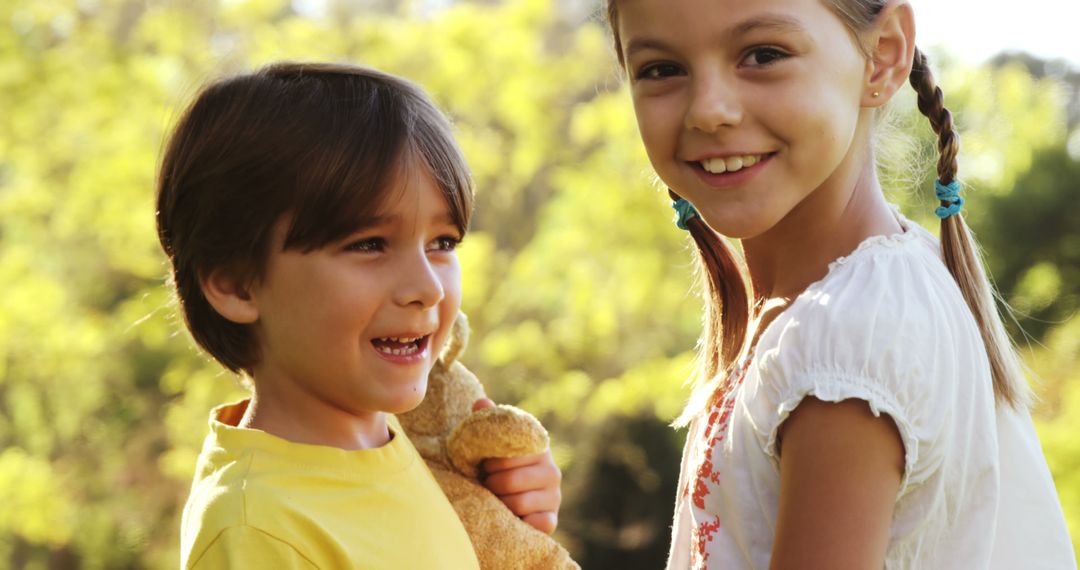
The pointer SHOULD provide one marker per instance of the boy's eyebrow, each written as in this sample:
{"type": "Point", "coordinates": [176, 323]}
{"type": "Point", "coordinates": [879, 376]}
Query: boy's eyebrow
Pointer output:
{"type": "Point", "coordinates": [767, 22]}
{"type": "Point", "coordinates": [387, 219]}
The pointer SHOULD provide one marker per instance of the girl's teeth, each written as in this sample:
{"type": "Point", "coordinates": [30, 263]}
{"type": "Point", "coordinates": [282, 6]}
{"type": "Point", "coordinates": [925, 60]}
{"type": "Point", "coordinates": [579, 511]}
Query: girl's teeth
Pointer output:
{"type": "Point", "coordinates": [714, 165]}
{"type": "Point", "coordinates": [729, 164]}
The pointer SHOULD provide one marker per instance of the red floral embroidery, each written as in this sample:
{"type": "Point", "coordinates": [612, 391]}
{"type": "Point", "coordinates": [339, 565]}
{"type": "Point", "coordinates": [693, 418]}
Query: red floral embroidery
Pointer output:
{"type": "Point", "coordinates": [715, 433]}
{"type": "Point", "coordinates": [705, 470]}
{"type": "Point", "coordinates": [699, 537]}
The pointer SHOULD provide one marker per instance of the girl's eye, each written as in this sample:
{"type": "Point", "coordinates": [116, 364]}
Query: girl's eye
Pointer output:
{"type": "Point", "coordinates": [445, 243]}
{"type": "Point", "coordinates": [367, 245]}
{"type": "Point", "coordinates": [656, 71]}
{"type": "Point", "coordinates": [763, 56]}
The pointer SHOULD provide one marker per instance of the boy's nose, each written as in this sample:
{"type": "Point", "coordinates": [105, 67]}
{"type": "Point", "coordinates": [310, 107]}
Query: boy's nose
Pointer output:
{"type": "Point", "coordinates": [712, 106]}
{"type": "Point", "coordinates": [419, 284]}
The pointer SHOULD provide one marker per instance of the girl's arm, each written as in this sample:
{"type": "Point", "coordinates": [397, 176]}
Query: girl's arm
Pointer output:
{"type": "Point", "coordinates": [840, 472]}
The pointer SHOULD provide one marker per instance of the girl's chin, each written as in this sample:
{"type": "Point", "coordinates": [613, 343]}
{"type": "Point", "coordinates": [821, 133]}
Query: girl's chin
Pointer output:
{"type": "Point", "coordinates": [735, 227]}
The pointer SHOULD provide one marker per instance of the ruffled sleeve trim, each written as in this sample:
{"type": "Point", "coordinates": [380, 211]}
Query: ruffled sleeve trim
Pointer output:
{"type": "Point", "coordinates": [835, 387]}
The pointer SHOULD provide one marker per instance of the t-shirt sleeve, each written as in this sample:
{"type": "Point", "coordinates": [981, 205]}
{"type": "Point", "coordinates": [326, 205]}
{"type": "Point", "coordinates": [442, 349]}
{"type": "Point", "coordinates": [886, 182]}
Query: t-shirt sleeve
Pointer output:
{"type": "Point", "coordinates": [248, 547]}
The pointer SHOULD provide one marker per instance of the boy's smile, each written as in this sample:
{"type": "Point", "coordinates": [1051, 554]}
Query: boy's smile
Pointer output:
{"type": "Point", "coordinates": [349, 331]}
{"type": "Point", "coordinates": [402, 349]}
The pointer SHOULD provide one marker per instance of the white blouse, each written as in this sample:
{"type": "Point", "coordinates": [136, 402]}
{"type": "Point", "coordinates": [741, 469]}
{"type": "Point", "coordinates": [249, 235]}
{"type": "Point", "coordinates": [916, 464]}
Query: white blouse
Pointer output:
{"type": "Point", "coordinates": [886, 325]}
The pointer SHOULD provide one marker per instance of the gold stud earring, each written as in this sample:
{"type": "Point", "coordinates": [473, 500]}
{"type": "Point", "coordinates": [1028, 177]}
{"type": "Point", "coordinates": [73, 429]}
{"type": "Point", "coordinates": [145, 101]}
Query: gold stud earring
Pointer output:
{"type": "Point", "coordinates": [875, 94]}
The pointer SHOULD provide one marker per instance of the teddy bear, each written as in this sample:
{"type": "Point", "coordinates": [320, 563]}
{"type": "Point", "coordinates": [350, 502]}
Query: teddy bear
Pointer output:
{"type": "Point", "coordinates": [454, 440]}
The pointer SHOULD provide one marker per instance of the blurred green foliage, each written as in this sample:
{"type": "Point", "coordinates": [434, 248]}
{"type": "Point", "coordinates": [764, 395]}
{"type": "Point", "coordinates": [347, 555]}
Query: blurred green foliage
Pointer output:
{"type": "Point", "coordinates": [577, 283]}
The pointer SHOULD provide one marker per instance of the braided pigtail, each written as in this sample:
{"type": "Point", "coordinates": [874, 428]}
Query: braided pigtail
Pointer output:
{"type": "Point", "coordinates": [727, 314]}
{"type": "Point", "coordinates": [961, 253]}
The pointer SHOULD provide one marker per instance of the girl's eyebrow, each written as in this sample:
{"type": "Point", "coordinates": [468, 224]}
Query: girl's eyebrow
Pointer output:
{"type": "Point", "coordinates": [766, 22]}
{"type": "Point", "coordinates": [639, 44]}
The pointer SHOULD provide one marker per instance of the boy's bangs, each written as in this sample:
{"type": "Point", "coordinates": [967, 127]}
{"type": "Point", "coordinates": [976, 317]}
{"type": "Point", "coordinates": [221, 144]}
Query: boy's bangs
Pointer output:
{"type": "Point", "coordinates": [433, 147]}
{"type": "Point", "coordinates": [343, 188]}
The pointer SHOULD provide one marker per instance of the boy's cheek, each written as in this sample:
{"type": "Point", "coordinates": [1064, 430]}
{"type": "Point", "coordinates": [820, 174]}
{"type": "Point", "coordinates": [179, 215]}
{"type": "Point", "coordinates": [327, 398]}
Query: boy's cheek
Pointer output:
{"type": "Point", "coordinates": [438, 342]}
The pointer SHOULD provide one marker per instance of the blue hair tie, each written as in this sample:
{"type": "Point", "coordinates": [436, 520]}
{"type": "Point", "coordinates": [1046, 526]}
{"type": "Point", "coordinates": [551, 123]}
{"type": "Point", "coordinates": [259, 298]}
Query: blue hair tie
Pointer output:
{"type": "Point", "coordinates": [684, 211]}
{"type": "Point", "coordinates": [948, 193]}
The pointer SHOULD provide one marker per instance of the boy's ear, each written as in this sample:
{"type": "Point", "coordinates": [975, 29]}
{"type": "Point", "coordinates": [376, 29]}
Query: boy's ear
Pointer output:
{"type": "Point", "coordinates": [892, 50]}
{"type": "Point", "coordinates": [229, 296]}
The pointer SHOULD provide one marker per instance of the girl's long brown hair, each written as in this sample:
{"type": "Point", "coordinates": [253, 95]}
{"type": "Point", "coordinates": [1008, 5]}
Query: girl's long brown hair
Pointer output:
{"type": "Point", "coordinates": [727, 298]}
{"type": "Point", "coordinates": [961, 252]}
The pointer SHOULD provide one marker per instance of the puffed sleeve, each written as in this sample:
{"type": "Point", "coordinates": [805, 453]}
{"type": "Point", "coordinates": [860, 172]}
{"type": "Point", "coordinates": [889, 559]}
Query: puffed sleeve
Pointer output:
{"type": "Point", "coordinates": [885, 331]}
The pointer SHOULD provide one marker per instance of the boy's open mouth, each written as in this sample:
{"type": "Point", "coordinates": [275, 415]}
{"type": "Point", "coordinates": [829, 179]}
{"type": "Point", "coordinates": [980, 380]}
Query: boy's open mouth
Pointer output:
{"type": "Point", "coordinates": [399, 346]}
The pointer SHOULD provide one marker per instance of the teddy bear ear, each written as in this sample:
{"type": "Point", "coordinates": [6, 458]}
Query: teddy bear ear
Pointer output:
{"type": "Point", "coordinates": [459, 337]}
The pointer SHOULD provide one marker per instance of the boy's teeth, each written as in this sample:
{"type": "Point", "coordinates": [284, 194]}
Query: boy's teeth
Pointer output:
{"type": "Point", "coordinates": [399, 351]}
{"type": "Point", "coordinates": [400, 339]}
{"type": "Point", "coordinates": [729, 164]}
{"type": "Point", "coordinates": [398, 346]}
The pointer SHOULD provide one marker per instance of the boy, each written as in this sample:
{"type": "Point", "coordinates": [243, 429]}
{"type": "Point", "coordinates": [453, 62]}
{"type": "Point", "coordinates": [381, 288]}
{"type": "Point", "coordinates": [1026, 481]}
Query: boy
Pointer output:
{"type": "Point", "coordinates": [310, 212]}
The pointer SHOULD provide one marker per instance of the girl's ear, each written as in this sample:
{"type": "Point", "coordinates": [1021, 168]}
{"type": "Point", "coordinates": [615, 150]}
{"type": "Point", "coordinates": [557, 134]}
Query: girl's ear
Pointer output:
{"type": "Point", "coordinates": [230, 297]}
{"type": "Point", "coordinates": [892, 49]}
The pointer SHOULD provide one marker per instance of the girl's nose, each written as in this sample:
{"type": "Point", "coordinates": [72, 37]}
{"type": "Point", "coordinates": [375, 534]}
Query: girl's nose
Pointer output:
{"type": "Point", "coordinates": [419, 283]}
{"type": "Point", "coordinates": [713, 105]}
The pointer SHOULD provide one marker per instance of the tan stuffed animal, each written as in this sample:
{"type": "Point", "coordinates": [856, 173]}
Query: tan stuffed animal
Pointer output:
{"type": "Point", "coordinates": [454, 440]}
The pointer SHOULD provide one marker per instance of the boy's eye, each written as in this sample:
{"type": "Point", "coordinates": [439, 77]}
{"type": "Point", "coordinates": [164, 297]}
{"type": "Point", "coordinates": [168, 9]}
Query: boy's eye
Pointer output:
{"type": "Point", "coordinates": [763, 56]}
{"type": "Point", "coordinates": [445, 243]}
{"type": "Point", "coordinates": [367, 245]}
{"type": "Point", "coordinates": [656, 71]}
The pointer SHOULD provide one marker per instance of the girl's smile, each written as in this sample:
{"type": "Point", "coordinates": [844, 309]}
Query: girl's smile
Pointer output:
{"type": "Point", "coordinates": [729, 95]}
{"type": "Point", "coordinates": [731, 171]}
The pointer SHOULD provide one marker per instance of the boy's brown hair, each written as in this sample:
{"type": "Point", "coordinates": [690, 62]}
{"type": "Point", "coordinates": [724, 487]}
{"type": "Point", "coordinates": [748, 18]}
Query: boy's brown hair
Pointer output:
{"type": "Point", "coordinates": [318, 143]}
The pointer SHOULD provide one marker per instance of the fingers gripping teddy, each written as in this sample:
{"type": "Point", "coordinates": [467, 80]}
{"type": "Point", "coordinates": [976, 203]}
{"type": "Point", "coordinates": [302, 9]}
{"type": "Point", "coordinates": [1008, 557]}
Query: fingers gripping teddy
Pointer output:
{"type": "Point", "coordinates": [454, 440]}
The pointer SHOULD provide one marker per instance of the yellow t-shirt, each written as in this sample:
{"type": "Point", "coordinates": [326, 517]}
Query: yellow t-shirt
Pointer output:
{"type": "Point", "coordinates": [259, 501]}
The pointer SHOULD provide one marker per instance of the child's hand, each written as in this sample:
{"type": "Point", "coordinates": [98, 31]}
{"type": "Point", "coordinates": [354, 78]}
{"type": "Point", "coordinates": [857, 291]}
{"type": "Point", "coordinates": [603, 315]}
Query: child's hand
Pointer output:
{"type": "Point", "coordinates": [528, 485]}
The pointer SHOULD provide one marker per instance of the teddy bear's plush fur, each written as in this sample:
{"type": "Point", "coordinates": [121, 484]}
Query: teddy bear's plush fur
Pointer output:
{"type": "Point", "coordinates": [454, 440]}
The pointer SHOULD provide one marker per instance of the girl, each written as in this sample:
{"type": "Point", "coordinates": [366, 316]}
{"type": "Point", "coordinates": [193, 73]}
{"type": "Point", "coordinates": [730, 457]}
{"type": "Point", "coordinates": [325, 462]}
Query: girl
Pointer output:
{"type": "Point", "coordinates": [859, 404]}
{"type": "Point", "coordinates": [310, 213]}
